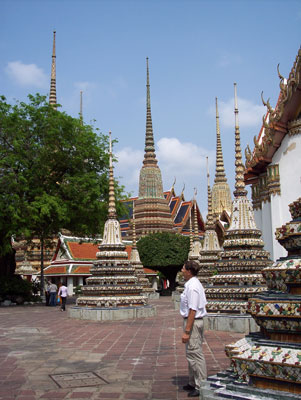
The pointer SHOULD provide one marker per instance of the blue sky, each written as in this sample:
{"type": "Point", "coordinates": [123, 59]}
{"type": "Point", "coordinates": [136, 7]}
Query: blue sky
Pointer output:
{"type": "Point", "coordinates": [196, 50]}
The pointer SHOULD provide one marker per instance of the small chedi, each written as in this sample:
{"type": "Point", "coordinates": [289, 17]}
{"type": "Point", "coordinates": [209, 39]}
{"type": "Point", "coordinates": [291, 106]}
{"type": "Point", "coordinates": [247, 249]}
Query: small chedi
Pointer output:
{"type": "Point", "coordinates": [243, 257]}
{"type": "Point", "coordinates": [211, 251]}
{"type": "Point", "coordinates": [195, 241]}
{"type": "Point", "coordinates": [137, 264]}
{"type": "Point", "coordinates": [113, 283]}
{"type": "Point", "coordinates": [272, 359]}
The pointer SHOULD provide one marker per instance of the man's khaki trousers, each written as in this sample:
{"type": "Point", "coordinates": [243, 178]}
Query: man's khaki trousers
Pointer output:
{"type": "Point", "coordinates": [196, 361]}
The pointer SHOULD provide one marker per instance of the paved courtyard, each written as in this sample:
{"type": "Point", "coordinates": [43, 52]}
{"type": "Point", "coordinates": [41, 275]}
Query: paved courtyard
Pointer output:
{"type": "Point", "coordinates": [46, 355]}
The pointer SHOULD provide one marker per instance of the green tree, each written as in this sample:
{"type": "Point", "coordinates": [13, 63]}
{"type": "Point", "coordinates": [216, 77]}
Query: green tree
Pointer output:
{"type": "Point", "coordinates": [53, 175]}
{"type": "Point", "coordinates": [165, 252]}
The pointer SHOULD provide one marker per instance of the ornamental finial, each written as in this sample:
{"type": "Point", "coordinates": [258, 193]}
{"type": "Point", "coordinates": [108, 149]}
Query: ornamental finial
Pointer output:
{"type": "Point", "coordinates": [239, 167]}
{"type": "Point", "coordinates": [112, 205]}
{"type": "Point", "coordinates": [81, 107]}
{"type": "Point", "coordinates": [220, 175]}
{"type": "Point", "coordinates": [52, 95]}
{"type": "Point", "coordinates": [149, 150]}
{"type": "Point", "coordinates": [209, 221]}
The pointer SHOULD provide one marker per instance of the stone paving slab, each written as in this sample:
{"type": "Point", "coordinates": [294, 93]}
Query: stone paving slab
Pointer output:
{"type": "Point", "coordinates": [141, 359]}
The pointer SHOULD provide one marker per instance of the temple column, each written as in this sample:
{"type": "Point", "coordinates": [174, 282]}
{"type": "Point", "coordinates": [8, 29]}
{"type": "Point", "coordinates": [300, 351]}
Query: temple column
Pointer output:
{"type": "Point", "coordinates": [70, 285]}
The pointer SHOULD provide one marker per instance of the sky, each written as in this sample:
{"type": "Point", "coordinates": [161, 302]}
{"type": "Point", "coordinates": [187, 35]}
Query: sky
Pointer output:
{"type": "Point", "coordinates": [197, 49]}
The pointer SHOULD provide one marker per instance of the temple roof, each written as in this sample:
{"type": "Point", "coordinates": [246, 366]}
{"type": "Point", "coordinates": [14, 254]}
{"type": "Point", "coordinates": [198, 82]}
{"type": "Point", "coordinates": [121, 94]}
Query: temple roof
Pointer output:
{"type": "Point", "coordinates": [276, 123]}
{"type": "Point", "coordinates": [180, 212]}
{"type": "Point", "coordinates": [75, 256]}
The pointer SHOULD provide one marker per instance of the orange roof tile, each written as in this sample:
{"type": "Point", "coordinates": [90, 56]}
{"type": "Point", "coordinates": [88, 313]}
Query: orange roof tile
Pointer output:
{"type": "Point", "coordinates": [55, 270]}
{"type": "Point", "coordinates": [149, 271]}
{"type": "Point", "coordinates": [82, 251]}
{"type": "Point", "coordinates": [81, 269]}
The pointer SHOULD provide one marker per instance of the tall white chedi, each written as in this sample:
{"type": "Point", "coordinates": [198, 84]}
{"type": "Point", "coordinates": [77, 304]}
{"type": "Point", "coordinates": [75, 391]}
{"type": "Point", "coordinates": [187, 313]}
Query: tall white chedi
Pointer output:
{"type": "Point", "coordinates": [239, 270]}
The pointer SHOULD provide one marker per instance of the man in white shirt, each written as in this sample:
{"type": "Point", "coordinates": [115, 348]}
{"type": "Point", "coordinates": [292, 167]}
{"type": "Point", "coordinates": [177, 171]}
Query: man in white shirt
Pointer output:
{"type": "Point", "coordinates": [193, 309]}
{"type": "Point", "coordinates": [63, 292]}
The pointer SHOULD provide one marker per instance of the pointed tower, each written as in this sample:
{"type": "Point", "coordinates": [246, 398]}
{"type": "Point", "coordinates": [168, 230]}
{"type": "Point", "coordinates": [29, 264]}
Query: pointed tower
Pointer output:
{"type": "Point", "coordinates": [113, 284]}
{"type": "Point", "coordinates": [196, 245]}
{"type": "Point", "coordinates": [52, 95]}
{"type": "Point", "coordinates": [136, 262]}
{"type": "Point", "coordinates": [81, 107]}
{"type": "Point", "coordinates": [152, 210]}
{"type": "Point", "coordinates": [243, 257]}
{"type": "Point", "coordinates": [221, 194]}
{"type": "Point", "coordinates": [210, 253]}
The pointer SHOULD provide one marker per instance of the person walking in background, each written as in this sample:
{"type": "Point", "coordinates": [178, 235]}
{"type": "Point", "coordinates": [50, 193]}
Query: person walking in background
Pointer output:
{"type": "Point", "coordinates": [193, 309]}
{"type": "Point", "coordinates": [52, 293]}
{"type": "Point", "coordinates": [63, 292]}
{"type": "Point", "coordinates": [47, 293]}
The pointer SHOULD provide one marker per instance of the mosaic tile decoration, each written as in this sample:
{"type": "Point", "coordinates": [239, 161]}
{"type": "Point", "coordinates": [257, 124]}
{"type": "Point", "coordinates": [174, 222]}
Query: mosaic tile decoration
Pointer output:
{"type": "Point", "coordinates": [79, 379]}
{"type": "Point", "coordinates": [276, 312]}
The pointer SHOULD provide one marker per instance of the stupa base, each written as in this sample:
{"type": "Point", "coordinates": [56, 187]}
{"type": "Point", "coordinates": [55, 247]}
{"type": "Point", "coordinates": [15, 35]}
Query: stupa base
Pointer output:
{"type": "Point", "coordinates": [225, 385]}
{"type": "Point", "coordinates": [111, 314]}
{"type": "Point", "coordinates": [230, 323]}
{"type": "Point", "coordinates": [152, 295]}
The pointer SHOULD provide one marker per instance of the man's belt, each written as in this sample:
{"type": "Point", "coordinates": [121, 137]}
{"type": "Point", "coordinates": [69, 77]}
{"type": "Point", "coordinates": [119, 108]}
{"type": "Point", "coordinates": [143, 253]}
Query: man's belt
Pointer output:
{"type": "Point", "coordinates": [194, 318]}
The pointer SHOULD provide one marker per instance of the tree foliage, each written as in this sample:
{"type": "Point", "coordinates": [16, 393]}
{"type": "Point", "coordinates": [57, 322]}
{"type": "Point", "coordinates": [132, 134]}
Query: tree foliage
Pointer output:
{"type": "Point", "coordinates": [165, 252]}
{"type": "Point", "coordinates": [53, 173]}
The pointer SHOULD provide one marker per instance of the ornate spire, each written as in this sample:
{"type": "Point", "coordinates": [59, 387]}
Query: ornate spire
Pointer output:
{"type": "Point", "coordinates": [195, 243]}
{"type": "Point", "coordinates": [81, 107]}
{"type": "Point", "coordinates": [220, 175]}
{"type": "Point", "coordinates": [149, 155]}
{"type": "Point", "coordinates": [134, 245]}
{"type": "Point", "coordinates": [190, 231]}
{"type": "Point", "coordinates": [112, 206]}
{"type": "Point", "coordinates": [239, 167]}
{"type": "Point", "coordinates": [209, 222]}
{"type": "Point", "coordinates": [220, 194]}
{"type": "Point", "coordinates": [195, 220]}
{"type": "Point", "coordinates": [52, 96]}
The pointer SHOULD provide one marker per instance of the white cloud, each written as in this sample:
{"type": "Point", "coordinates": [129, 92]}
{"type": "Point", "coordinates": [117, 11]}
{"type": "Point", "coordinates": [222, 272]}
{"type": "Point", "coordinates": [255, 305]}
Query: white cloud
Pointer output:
{"type": "Point", "coordinates": [184, 156]}
{"type": "Point", "coordinates": [27, 74]}
{"type": "Point", "coordinates": [84, 86]}
{"type": "Point", "coordinates": [249, 114]}
{"type": "Point", "coordinates": [226, 59]}
{"type": "Point", "coordinates": [127, 168]}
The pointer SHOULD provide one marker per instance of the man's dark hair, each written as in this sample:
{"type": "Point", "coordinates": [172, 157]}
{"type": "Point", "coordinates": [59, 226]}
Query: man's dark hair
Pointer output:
{"type": "Point", "coordinates": [192, 266]}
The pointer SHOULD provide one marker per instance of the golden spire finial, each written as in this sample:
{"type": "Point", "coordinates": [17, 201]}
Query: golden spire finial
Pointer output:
{"type": "Point", "coordinates": [190, 229]}
{"type": "Point", "coordinates": [134, 245]}
{"type": "Point", "coordinates": [149, 150]}
{"type": "Point", "coordinates": [182, 193]}
{"type": "Point", "coordinates": [220, 175]}
{"type": "Point", "coordinates": [81, 107]}
{"type": "Point", "coordinates": [209, 222]}
{"type": "Point", "coordinates": [174, 182]}
{"type": "Point", "coordinates": [196, 230]}
{"type": "Point", "coordinates": [239, 167]}
{"type": "Point", "coordinates": [52, 95]}
{"type": "Point", "coordinates": [112, 206]}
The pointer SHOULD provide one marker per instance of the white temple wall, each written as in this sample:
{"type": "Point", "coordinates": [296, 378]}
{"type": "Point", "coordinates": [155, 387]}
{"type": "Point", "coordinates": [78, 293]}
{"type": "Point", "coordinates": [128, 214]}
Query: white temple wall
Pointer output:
{"type": "Point", "coordinates": [70, 285]}
{"type": "Point", "coordinates": [266, 220]}
{"type": "Point", "coordinates": [258, 218]}
{"type": "Point", "coordinates": [276, 222]}
{"type": "Point", "coordinates": [277, 214]}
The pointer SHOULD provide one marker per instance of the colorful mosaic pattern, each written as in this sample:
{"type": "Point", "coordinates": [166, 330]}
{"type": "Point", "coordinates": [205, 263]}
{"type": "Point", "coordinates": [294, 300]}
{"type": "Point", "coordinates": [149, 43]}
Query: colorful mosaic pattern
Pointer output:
{"type": "Point", "coordinates": [278, 313]}
{"type": "Point", "coordinates": [283, 273]}
{"type": "Point", "coordinates": [250, 358]}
